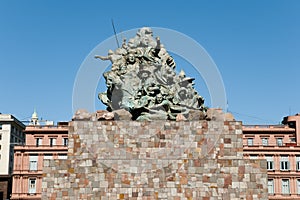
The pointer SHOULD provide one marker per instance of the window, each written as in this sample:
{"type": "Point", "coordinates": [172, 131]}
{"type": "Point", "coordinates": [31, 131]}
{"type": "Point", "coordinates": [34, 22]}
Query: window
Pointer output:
{"type": "Point", "coordinates": [0, 126]}
{"type": "Point", "coordinates": [32, 186]}
{"type": "Point", "coordinates": [65, 141]}
{"type": "Point", "coordinates": [253, 157]}
{"type": "Point", "coordinates": [52, 142]}
{"type": "Point", "coordinates": [270, 162]}
{"type": "Point", "coordinates": [48, 156]}
{"type": "Point", "coordinates": [11, 157]}
{"type": "Point", "coordinates": [33, 159]}
{"type": "Point", "coordinates": [62, 156]}
{"type": "Point", "coordinates": [270, 186]}
{"type": "Point", "coordinates": [0, 136]}
{"type": "Point", "coordinates": [279, 142]}
{"type": "Point", "coordinates": [250, 141]}
{"type": "Point", "coordinates": [284, 163]}
{"type": "Point", "coordinates": [265, 141]}
{"type": "Point", "coordinates": [285, 186]}
{"type": "Point", "coordinates": [298, 186]}
{"type": "Point", "coordinates": [39, 141]}
{"type": "Point", "coordinates": [293, 139]}
{"type": "Point", "coordinates": [298, 163]}
{"type": "Point", "coordinates": [0, 146]}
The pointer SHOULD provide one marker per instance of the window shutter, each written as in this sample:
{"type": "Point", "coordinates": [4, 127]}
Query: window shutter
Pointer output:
{"type": "Point", "coordinates": [33, 160]}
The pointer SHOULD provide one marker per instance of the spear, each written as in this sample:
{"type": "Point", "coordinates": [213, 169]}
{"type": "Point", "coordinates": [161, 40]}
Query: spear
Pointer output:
{"type": "Point", "coordinates": [113, 25]}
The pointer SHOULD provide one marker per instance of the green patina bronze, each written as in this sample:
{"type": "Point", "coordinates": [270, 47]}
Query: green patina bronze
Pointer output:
{"type": "Point", "coordinates": [143, 81]}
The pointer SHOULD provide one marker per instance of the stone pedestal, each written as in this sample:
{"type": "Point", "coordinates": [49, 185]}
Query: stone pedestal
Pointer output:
{"type": "Point", "coordinates": [156, 160]}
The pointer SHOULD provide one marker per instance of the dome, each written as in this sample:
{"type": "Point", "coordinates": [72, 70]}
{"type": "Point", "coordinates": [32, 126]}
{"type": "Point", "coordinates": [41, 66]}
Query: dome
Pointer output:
{"type": "Point", "coordinates": [34, 115]}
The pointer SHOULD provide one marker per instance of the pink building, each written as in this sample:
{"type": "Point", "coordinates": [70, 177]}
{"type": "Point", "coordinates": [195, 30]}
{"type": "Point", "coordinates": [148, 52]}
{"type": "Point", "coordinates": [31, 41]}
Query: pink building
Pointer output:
{"type": "Point", "coordinates": [42, 142]}
{"type": "Point", "coordinates": [280, 146]}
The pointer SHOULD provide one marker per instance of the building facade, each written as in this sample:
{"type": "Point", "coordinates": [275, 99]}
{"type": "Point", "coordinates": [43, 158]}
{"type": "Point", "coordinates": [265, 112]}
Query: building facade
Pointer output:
{"type": "Point", "coordinates": [42, 142]}
{"type": "Point", "coordinates": [11, 134]}
{"type": "Point", "coordinates": [280, 146]}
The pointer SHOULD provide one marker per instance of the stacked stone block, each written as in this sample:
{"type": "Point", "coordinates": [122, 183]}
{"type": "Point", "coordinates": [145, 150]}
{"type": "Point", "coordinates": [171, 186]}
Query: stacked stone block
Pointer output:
{"type": "Point", "coordinates": [155, 160]}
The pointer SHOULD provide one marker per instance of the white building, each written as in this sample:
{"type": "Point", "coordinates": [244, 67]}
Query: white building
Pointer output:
{"type": "Point", "coordinates": [11, 134]}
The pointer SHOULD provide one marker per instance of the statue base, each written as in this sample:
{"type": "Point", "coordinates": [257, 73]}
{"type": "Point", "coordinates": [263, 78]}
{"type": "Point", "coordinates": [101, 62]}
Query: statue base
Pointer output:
{"type": "Point", "coordinates": [156, 160]}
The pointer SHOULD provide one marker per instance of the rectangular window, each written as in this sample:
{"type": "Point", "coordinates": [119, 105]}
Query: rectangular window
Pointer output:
{"type": "Point", "coordinates": [253, 157]}
{"type": "Point", "coordinates": [298, 186]}
{"type": "Point", "coordinates": [250, 141]}
{"type": "Point", "coordinates": [0, 126]}
{"type": "Point", "coordinates": [32, 186]}
{"type": "Point", "coordinates": [62, 156]}
{"type": "Point", "coordinates": [270, 162]}
{"type": "Point", "coordinates": [0, 136]}
{"type": "Point", "coordinates": [279, 142]}
{"type": "Point", "coordinates": [298, 163]}
{"type": "Point", "coordinates": [285, 186]}
{"type": "Point", "coordinates": [65, 142]}
{"type": "Point", "coordinates": [52, 142]}
{"type": "Point", "coordinates": [270, 186]}
{"type": "Point", "coordinates": [39, 142]}
{"type": "Point", "coordinates": [48, 156]}
{"type": "Point", "coordinates": [284, 163]}
{"type": "Point", "coordinates": [33, 160]}
{"type": "Point", "coordinates": [265, 141]}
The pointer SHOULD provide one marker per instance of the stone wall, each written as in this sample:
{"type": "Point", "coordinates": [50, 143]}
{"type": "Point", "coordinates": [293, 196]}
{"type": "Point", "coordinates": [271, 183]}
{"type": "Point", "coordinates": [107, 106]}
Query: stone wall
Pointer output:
{"type": "Point", "coordinates": [155, 160]}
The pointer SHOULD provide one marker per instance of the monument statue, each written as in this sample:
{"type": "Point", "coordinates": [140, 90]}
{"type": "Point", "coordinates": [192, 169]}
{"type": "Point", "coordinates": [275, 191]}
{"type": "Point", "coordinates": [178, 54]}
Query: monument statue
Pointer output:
{"type": "Point", "coordinates": [143, 81]}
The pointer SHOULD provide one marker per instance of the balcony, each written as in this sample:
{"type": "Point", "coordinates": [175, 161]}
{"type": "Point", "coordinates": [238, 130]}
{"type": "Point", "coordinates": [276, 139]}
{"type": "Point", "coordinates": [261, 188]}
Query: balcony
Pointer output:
{"type": "Point", "coordinates": [272, 147]}
{"type": "Point", "coordinates": [26, 196]}
{"type": "Point", "coordinates": [27, 172]}
{"type": "Point", "coordinates": [269, 128]}
{"type": "Point", "coordinates": [46, 128]}
{"type": "Point", "coordinates": [41, 147]}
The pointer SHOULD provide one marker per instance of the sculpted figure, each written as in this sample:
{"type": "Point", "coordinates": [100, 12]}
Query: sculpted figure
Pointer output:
{"type": "Point", "coordinates": [116, 59]}
{"type": "Point", "coordinates": [143, 81]}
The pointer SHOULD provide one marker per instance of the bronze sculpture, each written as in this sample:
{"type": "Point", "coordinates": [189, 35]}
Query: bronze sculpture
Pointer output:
{"type": "Point", "coordinates": [143, 81]}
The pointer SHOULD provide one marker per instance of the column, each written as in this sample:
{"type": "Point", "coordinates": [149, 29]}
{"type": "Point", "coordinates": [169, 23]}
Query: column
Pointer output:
{"type": "Point", "coordinates": [277, 185]}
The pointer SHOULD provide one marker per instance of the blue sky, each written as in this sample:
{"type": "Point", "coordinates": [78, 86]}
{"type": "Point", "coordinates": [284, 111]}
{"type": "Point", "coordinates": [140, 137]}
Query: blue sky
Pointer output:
{"type": "Point", "coordinates": [255, 44]}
